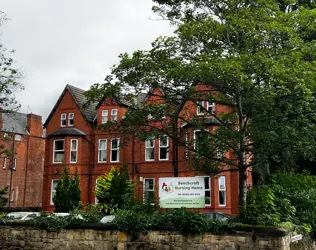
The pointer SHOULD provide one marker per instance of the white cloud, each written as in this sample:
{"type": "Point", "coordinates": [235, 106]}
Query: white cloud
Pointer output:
{"type": "Point", "coordinates": [73, 42]}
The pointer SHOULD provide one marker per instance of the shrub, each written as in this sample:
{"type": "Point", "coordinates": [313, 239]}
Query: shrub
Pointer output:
{"type": "Point", "coordinates": [114, 190]}
{"type": "Point", "coordinates": [263, 207]}
{"type": "Point", "coordinates": [67, 196]}
{"type": "Point", "coordinates": [53, 223]}
{"type": "Point", "coordinates": [132, 222]}
{"type": "Point", "coordinates": [3, 197]}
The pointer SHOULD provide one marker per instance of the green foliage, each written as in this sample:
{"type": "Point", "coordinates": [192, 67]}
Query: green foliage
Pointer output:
{"type": "Point", "coordinates": [263, 207]}
{"type": "Point", "coordinates": [54, 223]}
{"type": "Point", "coordinates": [300, 190]}
{"type": "Point", "coordinates": [132, 222]}
{"type": "Point", "coordinates": [136, 220]}
{"type": "Point", "coordinates": [114, 190]}
{"type": "Point", "coordinates": [67, 196]}
{"type": "Point", "coordinates": [258, 58]}
{"type": "Point", "coordinates": [3, 197]}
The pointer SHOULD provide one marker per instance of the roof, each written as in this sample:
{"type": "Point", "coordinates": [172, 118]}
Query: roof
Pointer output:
{"type": "Point", "coordinates": [67, 131]}
{"type": "Point", "coordinates": [88, 111]}
{"type": "Point", "coordinates": [14, 122]}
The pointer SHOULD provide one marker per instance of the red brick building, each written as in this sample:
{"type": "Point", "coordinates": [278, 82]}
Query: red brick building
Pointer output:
{"type": "Point", "coordinates": [22, 171]}
{"type": "Point", "coordinates": [73, 139]}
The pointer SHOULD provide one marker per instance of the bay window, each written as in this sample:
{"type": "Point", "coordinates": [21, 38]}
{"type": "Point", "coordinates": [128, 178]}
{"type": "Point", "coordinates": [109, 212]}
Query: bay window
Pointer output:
{"type": "Point", "coordinates": [73, 150]}
{"type": "Point", "coordinates": [115, 150]}
{"type": "Point", "coordinates": [222, 190]}
{"type": "Point", "coordinates": [58, 156]}
{"type": "Point", "coordinates": [163, 147]}
{"type": "Point", "coordinates": [102, 150]}
{"type": "Point", "coordinates": [150, 149]}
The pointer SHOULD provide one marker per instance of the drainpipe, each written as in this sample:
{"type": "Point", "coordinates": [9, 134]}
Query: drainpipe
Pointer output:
{"type": "Point", "coordinates": [11, 168]}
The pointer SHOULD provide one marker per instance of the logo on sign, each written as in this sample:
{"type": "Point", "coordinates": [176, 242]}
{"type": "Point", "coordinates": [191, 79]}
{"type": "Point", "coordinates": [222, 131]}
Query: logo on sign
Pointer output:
{"type": "Point", "coordinates": [167, 188]}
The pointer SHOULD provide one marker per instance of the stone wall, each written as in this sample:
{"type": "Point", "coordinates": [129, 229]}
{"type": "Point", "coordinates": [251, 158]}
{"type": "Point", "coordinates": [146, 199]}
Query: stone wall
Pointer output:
{"type": "Point", "coordinates": [23, 237]}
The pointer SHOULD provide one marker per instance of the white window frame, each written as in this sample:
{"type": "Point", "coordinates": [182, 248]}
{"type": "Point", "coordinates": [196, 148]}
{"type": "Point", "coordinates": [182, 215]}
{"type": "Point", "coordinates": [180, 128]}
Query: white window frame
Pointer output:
{"type": "Point", "coordinates": [186, 145]}
{"type": "Point", "coordinates": [200, 108]}
{"type": "Point", "coordinates": [209, 189]}
{"type": "Point", "coordinates": [104, 114]}
{"type": "Point", "coordinates": [14, 163]}
{"type": "Point", "coordinates": [4, 166]}
{"type": "Point", "coordinates": [102, 149]}
{"type": "Point", "coordinates": [12, 195]}
{"type": "Point", "coordinates": [222, 189]}
{"type": "Point", "coordinates": [115, 149]}
{"type": "Point", "coordinates": [71, 117]}
{"type": "Point", "coordinates": [63, 117]}
{"type": "Point", "coordinates": [73, 150]}
{"type": "Point", "coordinates": [212, 105]}
{"type": "Point", "coordinates": [144, 189]}
{"type": "Point", "coordinates": [114, 114]}
{"type": "Point", "coordinates": [164, 147]}
{"type": "Point", "coordinates": [58, 151]}
{"type": "Point", "coordinates": [51, 190]}
{"type": "Point", "coordinates": [147, 147]}
{"type": "Point", "coordinates": [17, 137]}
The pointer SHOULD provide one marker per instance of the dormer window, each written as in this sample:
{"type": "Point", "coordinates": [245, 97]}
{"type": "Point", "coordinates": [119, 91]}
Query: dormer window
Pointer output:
{"type": "Point", "coordinates": [63, 118]}
{"type": "Point", "coordinates": [114, 115]}
{"type": "Point", "coordinates": [104, 116]}
{"type": "Point", "coordinates": [71, 119]}
{"type": "Point", "coordinates": [200, 108]}
{"type": "Point", "coordinates": [210, 107]}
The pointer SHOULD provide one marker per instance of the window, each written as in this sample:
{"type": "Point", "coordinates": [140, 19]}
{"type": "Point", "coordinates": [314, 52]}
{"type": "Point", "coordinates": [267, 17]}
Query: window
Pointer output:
{"type": "Point", "coordinates": [114, 115]}
{"type": "Point", "coordinates": [71, 119]}
{"type": "Point", "coordinates": [163, 148]}
{"type": "Point", "coordinates": [53, 190]}
{"type": "Point", "coordinates": [102, 150]}
{"type": "Point", "coordinates": [58, 156]}
{"type": "Point", "coordinates": [104, 116]}
{"type": "Point", "coordinates": [4, 166]}
{"type": "Point", "coordinates": [186, 145]}
{"type": "Point", "coordinates": [200, 108]}
{"type": "Point", "coordinates": [17, 137]}
{"type": "Point", "coordinates": [149, 191]}
{"type": "Point", "coordinates": [150, 149]}
{"type": "Point", "coordinates": [222, 190]}
{"type": "Point", "coordinates": [201, 142]}
{"type": "Point", "coordinates": [73, 150]}
{"type": "Point", "coordinates": [12, 195]}
{"type": "Point", "coordinates": [211, 107]}
{"type": "Point", "coordinates": [207, 184]}
{"type": "Point", "coordinates": [63, 118]}
{"type": "Point", "coordinates": [14, 164]}
{"type": "Point", "coordinates": [115, 150]}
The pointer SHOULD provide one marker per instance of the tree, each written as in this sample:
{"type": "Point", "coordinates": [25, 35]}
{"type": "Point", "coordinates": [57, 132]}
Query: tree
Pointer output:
{"type": "Point", "coordinates": [114, 189]}
{"type": "Point", "coordinates": [3, 198]}
{"type": "Point", "coordinates": [67, 197]}
{"type": "Point", "coordinates": [254, 59]}
{"type": "Point", "coordinates": [8, 76]}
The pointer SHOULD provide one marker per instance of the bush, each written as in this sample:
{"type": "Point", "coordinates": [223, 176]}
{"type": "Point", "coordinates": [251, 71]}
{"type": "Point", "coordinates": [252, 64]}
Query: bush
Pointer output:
{"type": "Point", "coordinates": [263, 207]}
{"type": "Point", "coordinates": [3, 197]}
{"type": "Point", "coordinates": [300, 191]}
{"type": "Point", "coordinates": [53, 223]}
{"type": "Point", "coordinates": [114, 190]}
{"type": "Point", "coordinates": [67, 196]}
{"type": "Point", "coordinates": [134, 221]}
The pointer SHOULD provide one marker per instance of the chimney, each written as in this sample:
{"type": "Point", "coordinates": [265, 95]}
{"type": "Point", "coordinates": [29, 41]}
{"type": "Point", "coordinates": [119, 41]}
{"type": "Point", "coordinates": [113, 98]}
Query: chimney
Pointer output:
{"type": "Point", "coordinates": [34, 125]}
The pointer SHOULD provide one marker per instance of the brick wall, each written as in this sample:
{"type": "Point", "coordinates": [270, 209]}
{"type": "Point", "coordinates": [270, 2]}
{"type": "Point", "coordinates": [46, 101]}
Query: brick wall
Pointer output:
{"type": "Point", "coordinates": [17, 237]}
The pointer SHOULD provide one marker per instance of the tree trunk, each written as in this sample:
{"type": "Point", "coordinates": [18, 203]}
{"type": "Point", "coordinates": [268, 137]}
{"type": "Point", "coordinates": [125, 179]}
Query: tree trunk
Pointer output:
{"type": "Point", "coordinates": [242, 188]}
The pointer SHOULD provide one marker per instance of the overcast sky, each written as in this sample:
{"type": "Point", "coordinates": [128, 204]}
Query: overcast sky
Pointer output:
{"type": "Point", "coordinates": [73, 42]}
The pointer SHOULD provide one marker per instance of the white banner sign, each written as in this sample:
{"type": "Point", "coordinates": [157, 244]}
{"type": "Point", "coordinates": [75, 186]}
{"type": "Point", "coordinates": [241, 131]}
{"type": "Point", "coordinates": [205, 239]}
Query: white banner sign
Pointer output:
{"type": "Point", "coordinates": [180, 192]}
